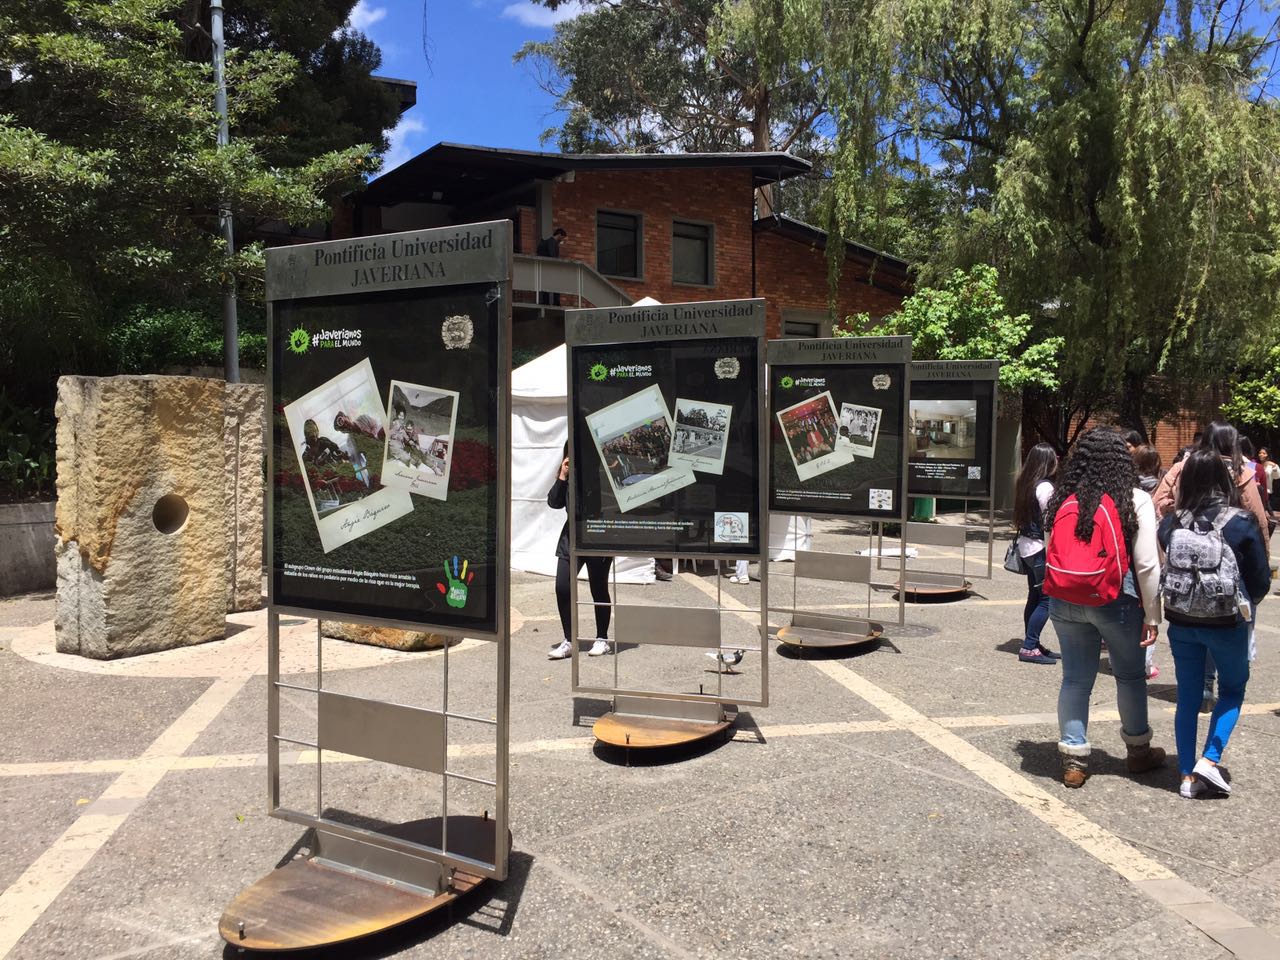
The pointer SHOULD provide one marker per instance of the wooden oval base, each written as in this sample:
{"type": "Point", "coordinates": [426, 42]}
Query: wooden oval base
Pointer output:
{"type": "Point", "coordinates": [307, 904]}
{"type": "Point", "coordinates": [937, 591]}
{"type": "Point", "coordinates": [650, 733]}
{"type": "Point", "coordinates": [800, 637]}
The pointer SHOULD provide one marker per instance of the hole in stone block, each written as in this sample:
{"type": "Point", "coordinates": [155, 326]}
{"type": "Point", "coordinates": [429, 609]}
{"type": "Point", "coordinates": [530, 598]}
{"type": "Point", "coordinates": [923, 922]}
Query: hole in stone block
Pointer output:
{"type": "Point", "coordinates": [170, 513]}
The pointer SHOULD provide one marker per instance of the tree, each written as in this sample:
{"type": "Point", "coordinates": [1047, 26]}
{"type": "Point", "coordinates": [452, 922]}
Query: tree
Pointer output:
{"type": "Point", "coordinates": [652, 75]}
{"type": "Point", "coordinates": [110, 177]}
{"type": "Point", "coordinates": [332, 101]}
{"type": "Point", "coordinates": [966, 319]}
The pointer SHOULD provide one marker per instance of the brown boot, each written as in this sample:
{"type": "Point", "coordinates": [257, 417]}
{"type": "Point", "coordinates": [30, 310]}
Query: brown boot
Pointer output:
{"type": "Point", "coordinates": [1075, 771]}
{"type": "Point", "coordinates": [1144, 757]}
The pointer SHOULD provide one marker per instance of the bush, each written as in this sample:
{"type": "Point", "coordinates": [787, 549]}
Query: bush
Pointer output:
{"type": "Point", "coordinates": [27, 468]}
{"type": "Point", "coordinates": [150, 338]}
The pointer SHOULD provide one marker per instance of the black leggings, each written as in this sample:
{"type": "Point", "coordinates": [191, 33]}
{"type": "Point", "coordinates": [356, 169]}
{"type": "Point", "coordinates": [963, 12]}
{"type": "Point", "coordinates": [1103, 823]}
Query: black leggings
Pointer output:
{"type": "Point", "coordinates": [598, 577]}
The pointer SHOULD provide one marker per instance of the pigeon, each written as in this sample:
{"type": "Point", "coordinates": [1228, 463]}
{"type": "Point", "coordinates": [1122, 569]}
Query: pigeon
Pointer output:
{"type": "Point", "coordinates": [725, 659]}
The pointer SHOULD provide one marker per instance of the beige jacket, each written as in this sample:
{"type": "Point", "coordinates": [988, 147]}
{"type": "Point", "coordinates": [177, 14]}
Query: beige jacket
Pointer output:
{"type": "Point", "coordinates": [1167, 492]}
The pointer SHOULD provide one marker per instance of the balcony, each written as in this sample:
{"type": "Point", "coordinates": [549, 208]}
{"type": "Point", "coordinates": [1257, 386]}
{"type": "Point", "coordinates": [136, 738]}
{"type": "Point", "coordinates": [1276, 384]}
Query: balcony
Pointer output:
{"type": "Point", "coordinates": [537, 327]}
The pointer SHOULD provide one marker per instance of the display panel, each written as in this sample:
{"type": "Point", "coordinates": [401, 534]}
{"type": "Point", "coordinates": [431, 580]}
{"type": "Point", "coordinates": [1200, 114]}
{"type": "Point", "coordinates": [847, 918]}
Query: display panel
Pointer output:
{"type": "Point", "coordinates": [666, 428]}
{"type": "Point", "coordinates": [837, 411]}
{"type": "Point", "coordinates": [951, 438]}
{"type": "Point", "coordinates": [385, 441]}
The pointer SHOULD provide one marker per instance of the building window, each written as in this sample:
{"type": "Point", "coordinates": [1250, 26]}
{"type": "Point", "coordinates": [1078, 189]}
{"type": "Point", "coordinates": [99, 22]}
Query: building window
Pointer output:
{"type": "Point", "coordinates": [618, 244]}
{"type": "Point", "coordinates": [692, 253]}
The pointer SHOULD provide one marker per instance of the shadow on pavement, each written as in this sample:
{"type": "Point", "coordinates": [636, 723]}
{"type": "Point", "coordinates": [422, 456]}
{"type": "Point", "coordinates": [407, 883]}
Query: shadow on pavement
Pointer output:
{"type": "Point", "coordinates": [1042, 760]}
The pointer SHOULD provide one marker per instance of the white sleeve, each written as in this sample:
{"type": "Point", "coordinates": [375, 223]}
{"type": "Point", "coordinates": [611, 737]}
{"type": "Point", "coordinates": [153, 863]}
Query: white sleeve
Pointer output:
{"type": "Point", "coordinates": [1146, 557]}
{"type": "Point", "coordinates": [1044, 493]}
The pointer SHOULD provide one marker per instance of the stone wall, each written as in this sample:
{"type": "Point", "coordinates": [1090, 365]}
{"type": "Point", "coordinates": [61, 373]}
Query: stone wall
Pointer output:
{"type": "Point", "coordinates": [159, 511]}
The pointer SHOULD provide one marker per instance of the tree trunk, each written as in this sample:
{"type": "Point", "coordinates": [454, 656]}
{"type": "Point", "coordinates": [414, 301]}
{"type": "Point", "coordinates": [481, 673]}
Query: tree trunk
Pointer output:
{"type": "Point", "coordinates": [1133, 390]}
{"type": "Point", "coordinates": [761, 142]}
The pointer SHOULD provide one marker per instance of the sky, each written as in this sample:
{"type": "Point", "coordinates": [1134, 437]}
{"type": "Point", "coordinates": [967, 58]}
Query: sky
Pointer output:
{"type": "Point", "coordinates": [470, 92]}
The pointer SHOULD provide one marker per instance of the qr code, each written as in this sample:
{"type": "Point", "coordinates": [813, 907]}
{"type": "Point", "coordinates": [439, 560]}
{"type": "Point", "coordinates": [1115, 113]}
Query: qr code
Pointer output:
{"type": "Point", "coordinates": [881, 499]}
{"type": "Point", "coordinates": [975, 473]}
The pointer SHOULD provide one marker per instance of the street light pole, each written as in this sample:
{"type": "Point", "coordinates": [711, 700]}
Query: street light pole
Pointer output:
{"type": "Point", "coordinates": [230, 323]}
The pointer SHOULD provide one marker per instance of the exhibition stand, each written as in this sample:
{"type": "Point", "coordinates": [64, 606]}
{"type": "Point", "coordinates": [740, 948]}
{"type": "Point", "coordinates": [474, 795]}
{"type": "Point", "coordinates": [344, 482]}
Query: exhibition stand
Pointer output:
{"type": "Point", "coordinates": [838, 419]}
{"type": "Point", "coordinates": [388, 505]}
{"type": "Point", "coordinates": [951, 454]}
{"type": "Point", "coordinates": [667, 449]}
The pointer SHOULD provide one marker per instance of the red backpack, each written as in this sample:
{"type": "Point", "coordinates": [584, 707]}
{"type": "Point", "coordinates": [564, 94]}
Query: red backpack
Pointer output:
{"type": "Point", "coordinates": [1090, 573]}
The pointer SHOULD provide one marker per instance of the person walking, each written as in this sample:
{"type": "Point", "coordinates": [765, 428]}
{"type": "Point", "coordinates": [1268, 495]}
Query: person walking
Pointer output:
{"type": "Point", "coordinates": [1099, 515]}
{"type": "Point", "coordinates": [1224, 440]}
{"type": "Point", "coordinates": [1216, 573]}
{"type": "Point", "coordinates": [597, 577]}
{"type": "Point", "coordinates": [1031, 493]}
{"type": "Point", "coordinates": [1268, 473]}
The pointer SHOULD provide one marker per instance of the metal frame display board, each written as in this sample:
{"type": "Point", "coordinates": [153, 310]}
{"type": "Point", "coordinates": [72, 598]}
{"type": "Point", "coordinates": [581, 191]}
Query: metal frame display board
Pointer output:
{"type": "Point", "coordinates": [389, 385]}
{"type": "Point", "coordinates": [838, 426]}
{"type": "Point", "coordinates": [666, 408]}
{"type": "Point", "coordinates": [947, 382]}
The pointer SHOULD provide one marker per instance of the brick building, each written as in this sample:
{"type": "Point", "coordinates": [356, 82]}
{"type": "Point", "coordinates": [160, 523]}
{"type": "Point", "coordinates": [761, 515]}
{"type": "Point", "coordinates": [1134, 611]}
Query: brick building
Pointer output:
{"type": "Point", "coordinates": [675, 227]}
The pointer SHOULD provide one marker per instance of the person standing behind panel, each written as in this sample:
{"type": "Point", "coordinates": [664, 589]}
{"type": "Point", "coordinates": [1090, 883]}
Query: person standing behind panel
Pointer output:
{"type": "Point", "coordinates": [1216, 573]}
{"type": "Point", "coordinates": [1031, 493]}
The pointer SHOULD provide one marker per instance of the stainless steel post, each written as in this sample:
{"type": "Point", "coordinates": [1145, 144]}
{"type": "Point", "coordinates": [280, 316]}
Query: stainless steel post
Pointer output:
{"type": "Point", "coordinates": [230, 323]}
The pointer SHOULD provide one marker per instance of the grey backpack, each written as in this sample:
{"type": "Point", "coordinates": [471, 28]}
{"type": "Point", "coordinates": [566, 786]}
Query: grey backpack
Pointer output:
{"type": "Point", "coordinates": [1201, 580]}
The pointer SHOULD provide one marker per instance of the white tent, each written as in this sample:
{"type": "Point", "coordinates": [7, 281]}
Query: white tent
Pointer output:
{"type": "Point", "coordinates": [539, 429]}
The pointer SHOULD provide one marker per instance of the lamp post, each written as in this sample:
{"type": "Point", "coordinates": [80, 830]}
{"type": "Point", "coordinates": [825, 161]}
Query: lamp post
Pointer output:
{"type": "Point", "coordinates": [230, 323]}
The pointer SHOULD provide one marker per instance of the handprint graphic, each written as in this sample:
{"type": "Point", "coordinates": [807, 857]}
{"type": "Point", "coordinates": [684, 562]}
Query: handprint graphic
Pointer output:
{"type": "Point", "coordinates": [455, 595]}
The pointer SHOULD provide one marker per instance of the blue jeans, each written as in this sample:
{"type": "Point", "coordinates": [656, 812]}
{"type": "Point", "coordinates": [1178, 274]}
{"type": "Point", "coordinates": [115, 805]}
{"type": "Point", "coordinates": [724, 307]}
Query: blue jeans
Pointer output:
{"type": "Point", "coordinates": [1081, 631]}
{"type": "Point", "coordinates": [1036, 611]}
{"type": "Point", "coordinates": [1229, 647]}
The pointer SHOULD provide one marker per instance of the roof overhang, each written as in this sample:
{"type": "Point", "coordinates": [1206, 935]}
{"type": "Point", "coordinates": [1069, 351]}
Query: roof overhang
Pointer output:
{"type": "Point", "coordinates": [458, 174]}
{"type": "Point", "coordinates": [885, 265]}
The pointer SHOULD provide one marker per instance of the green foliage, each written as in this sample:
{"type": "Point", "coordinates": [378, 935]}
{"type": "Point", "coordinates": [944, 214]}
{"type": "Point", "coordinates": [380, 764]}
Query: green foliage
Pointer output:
{"type": "Point", "coordinates": [692, 75]}
{"type": "Point", "coordinates": [27, 470]}
{"type": "Point", "coordinates": [150, 338]}
{"type": "Point", "coordinates": [1255, 400]}
{"type": "Point", "coordinates": [111, 178]}
{"type": "Point", "coordinates": [966, 319]}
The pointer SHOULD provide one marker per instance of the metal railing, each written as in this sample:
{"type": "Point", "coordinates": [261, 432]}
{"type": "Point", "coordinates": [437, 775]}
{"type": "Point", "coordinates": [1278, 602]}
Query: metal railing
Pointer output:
{"type": "Point", "coordinates": [566, 277]}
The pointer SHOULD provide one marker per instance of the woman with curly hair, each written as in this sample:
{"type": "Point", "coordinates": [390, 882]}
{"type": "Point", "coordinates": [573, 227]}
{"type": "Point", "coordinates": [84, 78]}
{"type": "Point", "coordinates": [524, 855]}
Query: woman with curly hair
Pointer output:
{"type": "Point", "coordinates": [1101, 466]}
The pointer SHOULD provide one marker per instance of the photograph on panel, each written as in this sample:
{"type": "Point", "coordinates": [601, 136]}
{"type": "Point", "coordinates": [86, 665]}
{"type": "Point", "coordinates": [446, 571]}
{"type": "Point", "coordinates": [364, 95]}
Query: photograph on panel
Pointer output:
{"type": "Point", "coordinates": [860, 426]}
{"type": "Point", "coordinates": [419, 446]}
{"type": "Point", "coordinates": [813, 436]}
{"type": "Point", "coordinates": [944, 430]}
{"type": "Point", "coordinates": [339, 434]}
{"type": "Point", "coordinates": [633, 438]}
{"type": "Point", "coordinates": [701, 435]}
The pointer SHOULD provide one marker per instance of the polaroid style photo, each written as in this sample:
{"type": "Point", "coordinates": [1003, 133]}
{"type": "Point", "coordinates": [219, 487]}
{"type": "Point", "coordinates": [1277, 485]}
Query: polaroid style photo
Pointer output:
{"type": "Point", "coordinates": [633, 438]}
{"type": "Point", "coordinates": [339, 434]}
{"type": "Point", "coordinates": [419, 444]}
{"type": "Point", "coordinates": [701, 435]}
{"type": "Point", "coordinates": [812, 433]}
{"type": "Point", "coordinates": [861, 426]}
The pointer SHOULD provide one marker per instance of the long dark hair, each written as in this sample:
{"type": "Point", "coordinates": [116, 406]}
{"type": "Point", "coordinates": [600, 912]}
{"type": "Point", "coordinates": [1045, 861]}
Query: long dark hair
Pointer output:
{"type": "Point", "coordinates": [1041, 464]}
{"type": "Point", "coordinates": [1204, 482]}
{"type": "Point", "coordinates": [1223, 439]}
{"type": "Point", "coordinates": [1099, 464]}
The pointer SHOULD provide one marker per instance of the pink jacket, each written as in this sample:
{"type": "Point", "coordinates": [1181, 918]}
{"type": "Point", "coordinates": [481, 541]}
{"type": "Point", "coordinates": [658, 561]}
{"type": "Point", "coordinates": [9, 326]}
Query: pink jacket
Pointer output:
{"type": "Point", "coordinates": [1249, 497]}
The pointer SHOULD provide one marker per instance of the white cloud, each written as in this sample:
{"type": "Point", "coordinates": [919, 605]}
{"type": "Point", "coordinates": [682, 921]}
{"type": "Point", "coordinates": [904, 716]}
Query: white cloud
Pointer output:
{"type": "Point", "coordinates": [363, 16]}
{"type": "Point", "coordinates": [402, 142]}
{"type": "Point", "coordinates": [533, 15]}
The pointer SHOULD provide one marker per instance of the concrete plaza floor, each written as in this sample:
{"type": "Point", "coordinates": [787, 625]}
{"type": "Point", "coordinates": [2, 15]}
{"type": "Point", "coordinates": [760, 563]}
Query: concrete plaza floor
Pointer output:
{"type": "Point", "coordinates": [899, 802]}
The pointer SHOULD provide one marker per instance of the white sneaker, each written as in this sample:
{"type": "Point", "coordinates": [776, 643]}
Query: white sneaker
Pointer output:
{"type": "Point", "coordinates": [1191, 789]}
{"type": "Point", "coordinates": [599, 648]}
{"type": "Point", "coordinates": [561, 651]}
{"type": "Point", "coordinates": [1210, 774]}
{"type": "Point", "coordinates": [739, 579]}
